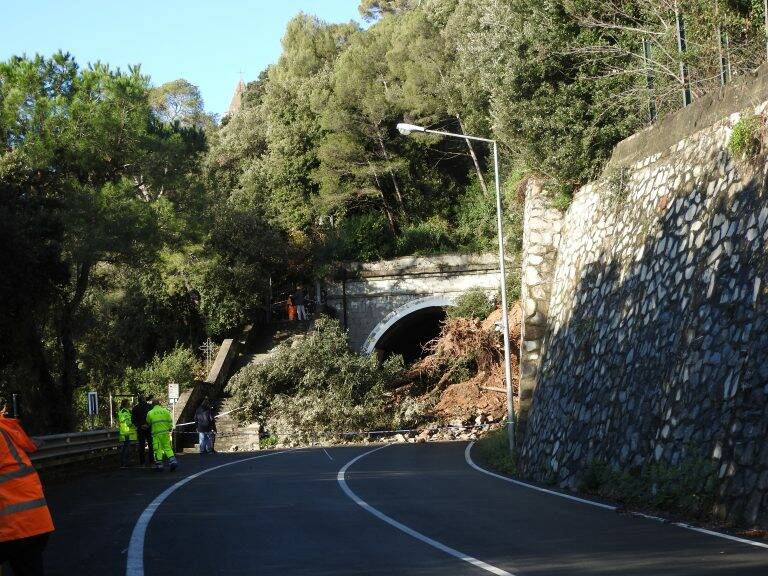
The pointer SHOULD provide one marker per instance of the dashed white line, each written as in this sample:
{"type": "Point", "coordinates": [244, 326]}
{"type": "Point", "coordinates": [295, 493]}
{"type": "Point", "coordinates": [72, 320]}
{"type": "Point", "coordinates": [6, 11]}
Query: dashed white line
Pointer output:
{"type": "Point", "coordinates": [135, 561]}
{"type": "Point", "coordinates": [341, 478]}
{"type": "Point", "coordinates": [471, 462]}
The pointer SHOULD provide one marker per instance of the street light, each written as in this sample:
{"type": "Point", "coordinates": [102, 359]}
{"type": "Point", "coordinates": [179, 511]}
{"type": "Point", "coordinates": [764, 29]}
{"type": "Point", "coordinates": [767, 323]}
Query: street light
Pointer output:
{"type": "Point", "coordinates": [407, 129]}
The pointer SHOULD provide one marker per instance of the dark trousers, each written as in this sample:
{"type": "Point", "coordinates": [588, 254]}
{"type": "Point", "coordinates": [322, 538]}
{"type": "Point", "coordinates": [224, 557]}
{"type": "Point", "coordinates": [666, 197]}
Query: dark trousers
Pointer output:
{"type": "Point", "coordinates": [25, 555]}
{"type": "Point", "coordinates": [125, 453]}
{"type": "Point", "coordinates": [144, 437]}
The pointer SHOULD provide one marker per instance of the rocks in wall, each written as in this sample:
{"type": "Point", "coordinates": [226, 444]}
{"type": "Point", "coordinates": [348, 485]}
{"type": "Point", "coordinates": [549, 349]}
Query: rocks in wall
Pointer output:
{"type": "Point", "coordinates": [656, 331]}
{"type": "Point", "coordinates": [542, 223]}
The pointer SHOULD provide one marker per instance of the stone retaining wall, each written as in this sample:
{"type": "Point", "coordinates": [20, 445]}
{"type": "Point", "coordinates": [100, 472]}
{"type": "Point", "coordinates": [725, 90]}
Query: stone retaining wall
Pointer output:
{"type": "Point", "coordinates": [656, 330]}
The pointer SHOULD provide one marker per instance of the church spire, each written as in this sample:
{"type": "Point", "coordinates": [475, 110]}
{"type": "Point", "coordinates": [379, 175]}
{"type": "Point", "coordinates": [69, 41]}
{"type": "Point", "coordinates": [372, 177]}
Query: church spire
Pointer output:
{"type": "Point", "coordinates": [237, 97]}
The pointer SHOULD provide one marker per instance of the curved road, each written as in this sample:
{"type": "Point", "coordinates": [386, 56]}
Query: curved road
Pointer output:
{"type": "Point", "coordinates": [401, 510]}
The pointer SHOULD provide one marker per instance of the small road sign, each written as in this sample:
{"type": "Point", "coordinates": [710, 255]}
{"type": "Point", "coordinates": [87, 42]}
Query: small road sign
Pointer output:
{"type": "Point", "coordinates": [173, 392]}
{"type": "Point", "coordinates": [93, 403]}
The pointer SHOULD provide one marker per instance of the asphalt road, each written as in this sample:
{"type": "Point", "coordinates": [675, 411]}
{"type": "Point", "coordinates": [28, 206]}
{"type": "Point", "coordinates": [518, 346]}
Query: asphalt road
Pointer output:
{"type": "Point", "coordinates": [409, 509]}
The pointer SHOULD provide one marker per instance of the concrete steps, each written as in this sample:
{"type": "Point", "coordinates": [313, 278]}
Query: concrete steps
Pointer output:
{"type": "Point", "coordinates": [231, 435]}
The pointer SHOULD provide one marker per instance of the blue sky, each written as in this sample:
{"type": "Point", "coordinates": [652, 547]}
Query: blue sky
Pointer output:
{"type": "Point", "coordinates": [206, 42]}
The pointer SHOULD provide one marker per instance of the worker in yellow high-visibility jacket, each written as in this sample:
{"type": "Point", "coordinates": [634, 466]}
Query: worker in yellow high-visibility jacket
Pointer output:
{"type": "Point", "coordinates": [127, 432]}
{"type": "Point", "coordinates": [161, 424]}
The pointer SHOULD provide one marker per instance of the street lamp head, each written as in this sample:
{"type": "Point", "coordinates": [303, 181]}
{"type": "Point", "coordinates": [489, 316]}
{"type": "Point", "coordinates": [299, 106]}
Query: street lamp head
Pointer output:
{"type": "Point", "coordinates": [406, 129]}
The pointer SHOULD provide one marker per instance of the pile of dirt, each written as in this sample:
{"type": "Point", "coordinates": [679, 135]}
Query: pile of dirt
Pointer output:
{"type": "Point", "coordinates": [463, 342]}
{"type": "Point", "coordinates": [467, 401]}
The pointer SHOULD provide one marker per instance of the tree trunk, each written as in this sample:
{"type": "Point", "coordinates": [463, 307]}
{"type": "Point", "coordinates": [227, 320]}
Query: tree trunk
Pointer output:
{"type": "Point", "coordinates": [70, 376]}
{"type": "Point", "coordinates": [393, 225]}
{"type": "Point", "coordinates": [474, 159]}
{"type": "Point", "coordinates": [396, 187]}
{"type": "Point", "coordinates": [69, 372]}
{"type": "Point", "coordinates": [47, 398]}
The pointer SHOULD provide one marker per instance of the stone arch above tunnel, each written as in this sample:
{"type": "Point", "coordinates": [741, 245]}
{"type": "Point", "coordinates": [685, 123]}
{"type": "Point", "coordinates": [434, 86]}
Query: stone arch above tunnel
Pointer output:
{"type": "Point", "coordinates": [366, 296]}
{"type": "Point", "coordinates": [399, 314]}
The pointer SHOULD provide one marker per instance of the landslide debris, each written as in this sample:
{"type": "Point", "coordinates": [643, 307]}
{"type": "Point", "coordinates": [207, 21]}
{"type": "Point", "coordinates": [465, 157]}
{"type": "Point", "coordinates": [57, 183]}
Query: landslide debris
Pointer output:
{"type": "Point", "coordinates": [463, 372]}
{"type": "Point", "coordinates": [313, 388]}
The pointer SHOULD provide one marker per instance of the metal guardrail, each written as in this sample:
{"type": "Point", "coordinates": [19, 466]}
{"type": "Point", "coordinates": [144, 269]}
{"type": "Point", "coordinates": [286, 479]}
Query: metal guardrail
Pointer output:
{"type": "Point", "coordinates": [60, 449]}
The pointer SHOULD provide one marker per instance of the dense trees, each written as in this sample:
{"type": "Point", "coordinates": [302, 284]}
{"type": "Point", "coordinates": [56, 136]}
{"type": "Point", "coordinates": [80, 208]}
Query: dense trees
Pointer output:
{"type": "Point", "coordinates": [113, 250]}
{"type": "Point", "coordinates": [315, 142]}
{"type": "Point", "coordinates": [557, 82]}
{"type": "Point", "coordinates": [75, 141]}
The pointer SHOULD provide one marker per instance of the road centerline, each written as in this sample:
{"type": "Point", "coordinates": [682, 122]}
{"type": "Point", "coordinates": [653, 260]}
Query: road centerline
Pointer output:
{"type": "Point", "coordinates": [341, 478]}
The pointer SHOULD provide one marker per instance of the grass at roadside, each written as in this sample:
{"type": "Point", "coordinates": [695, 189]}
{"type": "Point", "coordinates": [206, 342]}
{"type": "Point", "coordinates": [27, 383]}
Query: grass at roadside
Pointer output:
{"type": "Point", "coordinates": [685, 492]}
{"type": "Point", "coordinates": [493, 451]}
{"type": "Point", "coordinates": [688, 489]}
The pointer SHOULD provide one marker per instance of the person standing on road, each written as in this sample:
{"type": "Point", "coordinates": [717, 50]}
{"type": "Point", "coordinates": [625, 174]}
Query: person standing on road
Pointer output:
{"type": "Point", "coordinates": [206, 426]}
{"type": "Point", "coordinates": [127, 433]}
{"type": "Point", "coordinates": [143, 435]}
{"type": "Point", "coordinates": [298, 298]}
{"type": "Point", "coordinates": [161, 424]}
{"type": "Point", "coordinates": [25, 521]}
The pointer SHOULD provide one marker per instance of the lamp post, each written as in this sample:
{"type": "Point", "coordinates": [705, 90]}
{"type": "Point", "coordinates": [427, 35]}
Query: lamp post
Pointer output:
{"type": "Point", "coordinates": [405, 130]}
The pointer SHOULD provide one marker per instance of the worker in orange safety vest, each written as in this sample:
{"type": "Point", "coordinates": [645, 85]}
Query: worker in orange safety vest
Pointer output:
{"type": "Point", "coordinates": [25, 521]}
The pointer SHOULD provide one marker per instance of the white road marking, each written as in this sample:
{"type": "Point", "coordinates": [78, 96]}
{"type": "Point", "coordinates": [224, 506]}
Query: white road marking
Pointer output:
{"type": "Point", "coordinates": [341, 478]}
{"type": "Point", "coordinates": [720, 535]}
{"type": "Point", "coordinates": [135, 562]}
{"type": "Point", "coordinates": [329, 456]}
{"type": "Point", "coordinates": [471, 462]}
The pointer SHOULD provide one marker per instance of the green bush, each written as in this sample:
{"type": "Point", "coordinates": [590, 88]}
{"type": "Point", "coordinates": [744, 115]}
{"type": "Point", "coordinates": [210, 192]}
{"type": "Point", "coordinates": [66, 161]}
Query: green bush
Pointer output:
{"type": "Point", "coordinates": [268, 442]}
{"type": "Point", "coordinates": [493, 451]}
{"type": "Point", "coordinates": [326, 414]}
{"type": "Point", "coordinates": [473, 303]}
{"type": "Point", "coordinates": [315, 386]}
{"type": "Point", "coordinates": [688, 487]}
{"type": "Point", "coordinates": [616, 186]}
{"type": "Point", "coordinates": [363, 237]}
{"type": "Point", "coordinates": [595, 476]}
{"type": "Point", "coordinates": [746, 138]}
{"type": "Point", "coordinates": [514, 280]}
{"type": "Point", "coordinates": [469, 226]}
{"type": "Point", "coordinates": [179, 365]}
{"type": "Point", "coordinates": [432, 236]}
{"type": "Point", "coordinates": [475, 215]}
{"type": "Point", "coordinates": [411, 413]}
{"type": "Point", "coordinates": [562, 200]}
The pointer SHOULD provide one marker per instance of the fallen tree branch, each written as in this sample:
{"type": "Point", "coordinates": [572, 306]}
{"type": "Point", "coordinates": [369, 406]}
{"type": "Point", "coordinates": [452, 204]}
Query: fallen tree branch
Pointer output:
{"type": "Point", "coordinates": [494, 389]}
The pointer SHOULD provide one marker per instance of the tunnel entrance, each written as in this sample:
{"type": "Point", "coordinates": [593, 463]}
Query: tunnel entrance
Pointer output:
{"type": "Point", "coordinates": [410, 333]}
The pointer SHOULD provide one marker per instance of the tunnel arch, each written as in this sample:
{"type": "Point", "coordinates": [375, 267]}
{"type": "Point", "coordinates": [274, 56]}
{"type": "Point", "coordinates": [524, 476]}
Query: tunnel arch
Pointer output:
{"type": "Point", "coordinates": [428, 305]}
